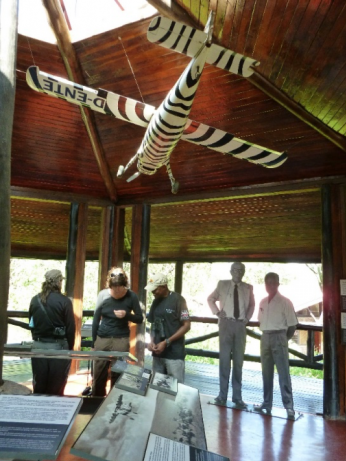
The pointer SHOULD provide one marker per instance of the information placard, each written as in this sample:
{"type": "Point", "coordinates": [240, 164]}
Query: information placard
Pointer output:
{"type": "Point", "coordinates": [35, 426]}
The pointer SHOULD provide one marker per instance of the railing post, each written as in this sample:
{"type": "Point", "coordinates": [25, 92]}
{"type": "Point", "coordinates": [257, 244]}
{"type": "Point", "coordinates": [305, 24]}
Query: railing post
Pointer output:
{"type": "Point", "coordinates": [310, 346]}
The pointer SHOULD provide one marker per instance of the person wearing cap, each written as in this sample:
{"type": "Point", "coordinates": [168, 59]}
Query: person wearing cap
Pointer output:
{"type": "Point", "coordinates": [278, 322]}
{"type": "Point", "coordinates": [236, 306]}
{"type": "Point", "coordinates": [53, 327]}
{"type": "Point", "coordinates": [116, 306]}
{"type": "Point", "coordinates": [170, 321]}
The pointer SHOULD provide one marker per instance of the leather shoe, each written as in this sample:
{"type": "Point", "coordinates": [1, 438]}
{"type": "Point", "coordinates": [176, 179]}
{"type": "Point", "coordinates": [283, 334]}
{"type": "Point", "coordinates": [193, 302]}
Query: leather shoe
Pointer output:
{"type": "Point", "coordinates": [263, 407]}
{"type": "Point", "coordinates": [290, 414]}
{"type": "Point", "coordinates": [240, 404]}
{"type": "Point", "coordinates": [219, 401]}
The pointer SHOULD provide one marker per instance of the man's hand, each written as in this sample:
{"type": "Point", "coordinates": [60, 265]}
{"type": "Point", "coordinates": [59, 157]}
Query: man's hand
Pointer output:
{"type": "Point", "coordinates": [151, 347]}
{"type": "Point", "coordinates": [221, 314]}
{"type": "Point", "coordinates": [160, 347]}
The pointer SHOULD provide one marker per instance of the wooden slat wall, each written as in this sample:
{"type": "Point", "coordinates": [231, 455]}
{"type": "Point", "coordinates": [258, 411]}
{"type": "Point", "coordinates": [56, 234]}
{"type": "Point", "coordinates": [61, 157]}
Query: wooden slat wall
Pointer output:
{"type": "Point", "coordinates": [40, 229]}
{"type": "Point", "coordinates": [283, 227]}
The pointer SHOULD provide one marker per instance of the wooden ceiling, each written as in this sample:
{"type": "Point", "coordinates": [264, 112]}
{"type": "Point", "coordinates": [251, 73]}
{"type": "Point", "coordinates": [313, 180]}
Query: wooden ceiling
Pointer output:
{"type": "Point", "coordinates": [225, 207]}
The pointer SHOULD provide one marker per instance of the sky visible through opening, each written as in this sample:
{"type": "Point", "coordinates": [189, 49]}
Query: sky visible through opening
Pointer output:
{"type": "Point", "coordinates": [86, 17]}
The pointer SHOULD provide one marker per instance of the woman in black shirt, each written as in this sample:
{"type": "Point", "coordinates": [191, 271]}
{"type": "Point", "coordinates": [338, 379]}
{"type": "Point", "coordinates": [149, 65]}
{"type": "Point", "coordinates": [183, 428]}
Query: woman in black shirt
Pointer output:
{"type": "Point", "coordinates": [116, 306]}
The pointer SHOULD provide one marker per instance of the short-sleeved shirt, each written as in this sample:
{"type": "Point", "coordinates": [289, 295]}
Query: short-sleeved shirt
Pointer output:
{"type": "Point", "coordinates": [171, 312]}
{"type": "Point", "coordinates": [278, 314]}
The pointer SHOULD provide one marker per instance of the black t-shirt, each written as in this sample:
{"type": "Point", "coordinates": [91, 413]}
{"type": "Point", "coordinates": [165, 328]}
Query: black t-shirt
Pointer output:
{"type": "Point", "coordinates": [167, 316]}
{"type": "Point", "coordinates": [112, 326]}
{"type": "Point", "coordinates": [60, 314]}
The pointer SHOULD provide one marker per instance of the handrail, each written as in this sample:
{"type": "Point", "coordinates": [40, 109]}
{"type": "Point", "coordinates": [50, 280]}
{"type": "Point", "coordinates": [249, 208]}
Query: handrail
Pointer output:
{"type": "Point", "coordinates": [310, 360]}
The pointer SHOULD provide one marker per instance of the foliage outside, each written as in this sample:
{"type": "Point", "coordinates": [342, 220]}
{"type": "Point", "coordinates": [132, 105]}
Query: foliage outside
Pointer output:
{"type": "Point", "coordinates": [199, 280]}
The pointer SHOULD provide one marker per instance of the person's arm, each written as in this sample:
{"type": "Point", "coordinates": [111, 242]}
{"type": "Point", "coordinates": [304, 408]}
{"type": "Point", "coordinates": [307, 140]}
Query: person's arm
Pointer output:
{"type": "Point", "coordinates": [97, 317]}
{"type": "Point", "coordinates": [291, 319]}
{"type": "Point", "coordinates": [211, 300]}
{"type": "Point", "coordinates": [137, 317]}
{"type": "Point", "coordinates": [290, 331]}
{"type": "Point", "coordinates": [185, 327]}
{"type": "Point", "coordinates": [251, 308]}
{"type": "Point", "coordinates": [70, 324]}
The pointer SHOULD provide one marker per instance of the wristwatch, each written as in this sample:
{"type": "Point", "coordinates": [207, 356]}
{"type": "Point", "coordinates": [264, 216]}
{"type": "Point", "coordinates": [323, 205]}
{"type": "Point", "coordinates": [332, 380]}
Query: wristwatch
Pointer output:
{"type": "Point", "coordinates": [167, 342]}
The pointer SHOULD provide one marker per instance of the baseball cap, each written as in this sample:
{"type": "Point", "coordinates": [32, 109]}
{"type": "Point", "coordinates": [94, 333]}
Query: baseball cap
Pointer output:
{"type": "Point", "coordinates": [156, 281]}
{"type": "Point", "coordinates": [53, 275]}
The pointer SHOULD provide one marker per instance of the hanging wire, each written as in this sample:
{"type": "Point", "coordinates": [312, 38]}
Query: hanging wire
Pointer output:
{"type": "Point", "coordinates": [32, 56]}
{"type": "Point", "coordinates": [134, 76]}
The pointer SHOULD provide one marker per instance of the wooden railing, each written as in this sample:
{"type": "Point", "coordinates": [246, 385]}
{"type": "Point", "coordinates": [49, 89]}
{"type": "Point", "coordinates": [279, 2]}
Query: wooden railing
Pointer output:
{"type": "Point", "coordinates": [308, 360]}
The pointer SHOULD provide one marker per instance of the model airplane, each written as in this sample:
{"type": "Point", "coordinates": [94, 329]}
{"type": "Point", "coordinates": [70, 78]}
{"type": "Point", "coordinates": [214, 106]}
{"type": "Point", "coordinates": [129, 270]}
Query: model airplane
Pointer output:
{"type": "Point", "coordinates": [169, 123]}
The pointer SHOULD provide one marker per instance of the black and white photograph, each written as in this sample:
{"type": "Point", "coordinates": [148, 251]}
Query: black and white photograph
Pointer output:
{"type": "Point", "coordinates": [185, 421]}
{"type": "Point", "coordinates": [122, 366]}
{"type": "Point", "coordinates": [165, 383]}
{"type": "Point", "coordinates": [119, 429]}
{"type": "Point", "coordinates": [132, 383]}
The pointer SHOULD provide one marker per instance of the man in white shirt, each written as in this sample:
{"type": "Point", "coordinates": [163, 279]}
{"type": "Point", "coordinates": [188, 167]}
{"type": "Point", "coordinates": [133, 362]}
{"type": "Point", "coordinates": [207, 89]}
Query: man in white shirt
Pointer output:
{"type": "Point", "coordinates": [236, 306]}
{"type": "Point", "coordinates": [278, 323]}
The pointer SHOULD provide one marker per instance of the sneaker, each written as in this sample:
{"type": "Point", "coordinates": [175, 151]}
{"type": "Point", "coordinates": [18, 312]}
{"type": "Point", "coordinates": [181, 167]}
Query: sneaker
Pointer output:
{"type": "Point", "coordinates": [290, 414]}
{"type": "Point", "coordinates": [263, 407]}
{"type": "Point", "coordinates": [220, 401]}
{"type": "Point", "coordinates": [240, 404]}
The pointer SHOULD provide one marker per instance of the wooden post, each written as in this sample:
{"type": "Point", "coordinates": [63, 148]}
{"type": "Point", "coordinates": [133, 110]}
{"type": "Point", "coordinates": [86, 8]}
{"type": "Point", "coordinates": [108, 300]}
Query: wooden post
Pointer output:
{"type": "Point", "coordinates": [105, 248]}
{"type": "Point", "coordinates": [139, 273]}
{"type": "Point", "coordinates": [333, 264]}
{"type": "Point", "coordinates": [75, 268]}
{"type": "Point", "coordinates": [178, 278]}
{"type": "Point", "coordinates": [8, 55]}
{"type": "Point", "coordinates": [118, 238]}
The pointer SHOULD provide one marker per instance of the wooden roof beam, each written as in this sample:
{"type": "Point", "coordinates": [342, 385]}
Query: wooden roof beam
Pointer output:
{"type": "Point", "coordinates": [62, 34]}
{"type": "Point", "coordinates": [281, 98]}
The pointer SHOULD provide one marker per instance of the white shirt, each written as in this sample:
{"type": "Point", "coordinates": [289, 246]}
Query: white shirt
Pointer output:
{"type": "Point", "coordinates": [278, 314]}
{"type": "Point", "coordinates": [224, 293]}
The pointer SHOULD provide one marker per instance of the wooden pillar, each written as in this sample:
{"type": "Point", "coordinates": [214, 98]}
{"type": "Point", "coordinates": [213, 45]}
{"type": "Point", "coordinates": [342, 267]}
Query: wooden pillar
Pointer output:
{"type": "Point", "coordinates": [105, 248]}
{"type": "Point", "coordinates": [139, 273]}
{"type": "Point", "coordinates": [111, 248]}
{"type": "Point", "coordinates": [8, 54]}
{"type": "Point", "coordinates": [75, 268]}
{"type": "Point", "coordinates": [333, 265]}
{"type": "Point", "coordinates": [178, 277]}
{"type": "Point", "coordinates": [117, 241]}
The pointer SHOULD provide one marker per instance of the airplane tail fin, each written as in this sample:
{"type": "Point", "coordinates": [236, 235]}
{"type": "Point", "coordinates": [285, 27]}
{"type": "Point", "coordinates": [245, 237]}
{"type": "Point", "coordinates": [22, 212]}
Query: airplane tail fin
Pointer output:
{"type": "Point", "coordinates": [187, 40]}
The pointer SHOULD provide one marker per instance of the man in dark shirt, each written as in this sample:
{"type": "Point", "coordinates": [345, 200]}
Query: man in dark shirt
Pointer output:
{"type": "Point", "coordinates": [170, 321]}
{"type": "Point", "coordinates": [53, 327]}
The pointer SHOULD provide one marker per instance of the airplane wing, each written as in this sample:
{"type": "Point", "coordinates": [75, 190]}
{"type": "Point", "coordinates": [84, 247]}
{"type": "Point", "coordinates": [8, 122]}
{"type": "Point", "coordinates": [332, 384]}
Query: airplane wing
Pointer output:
{"type": "Point", "coordinates": [140, 114]}
{"type": "Point", "coordinates": [187, 40]}
{"type": "Point", "coordinates": [227, 143]}
{"type": "Point", "coordinates": [102, 101]}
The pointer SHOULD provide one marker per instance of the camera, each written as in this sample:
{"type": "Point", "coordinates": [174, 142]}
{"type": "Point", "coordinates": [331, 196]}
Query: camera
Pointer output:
{"type": "Point", "coordinates": [59, 332]}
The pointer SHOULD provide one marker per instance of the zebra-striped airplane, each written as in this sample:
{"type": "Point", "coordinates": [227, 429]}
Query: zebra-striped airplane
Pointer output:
{"type": "Point", "coordinates": [169, 123]}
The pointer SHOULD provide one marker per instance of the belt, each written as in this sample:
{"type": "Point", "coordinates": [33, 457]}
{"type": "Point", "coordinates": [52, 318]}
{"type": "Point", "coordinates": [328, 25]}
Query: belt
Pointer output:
{"type": "Point", "coordinates": [270, 332]}
{"type": "Point", "coordinates": [234, 320]}
{"type": "Point", "coordinates": [49, 340]}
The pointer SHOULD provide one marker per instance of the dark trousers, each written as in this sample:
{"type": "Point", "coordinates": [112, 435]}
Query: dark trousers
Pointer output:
{"type": "Point", "coordinates": [274, 350]}
{"type": "Point", "coordinates": [232, 339]}
{"type": "Point", "coordinates": [101, 367]}
{"type": "Point", "coordinates": [50, 375]}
